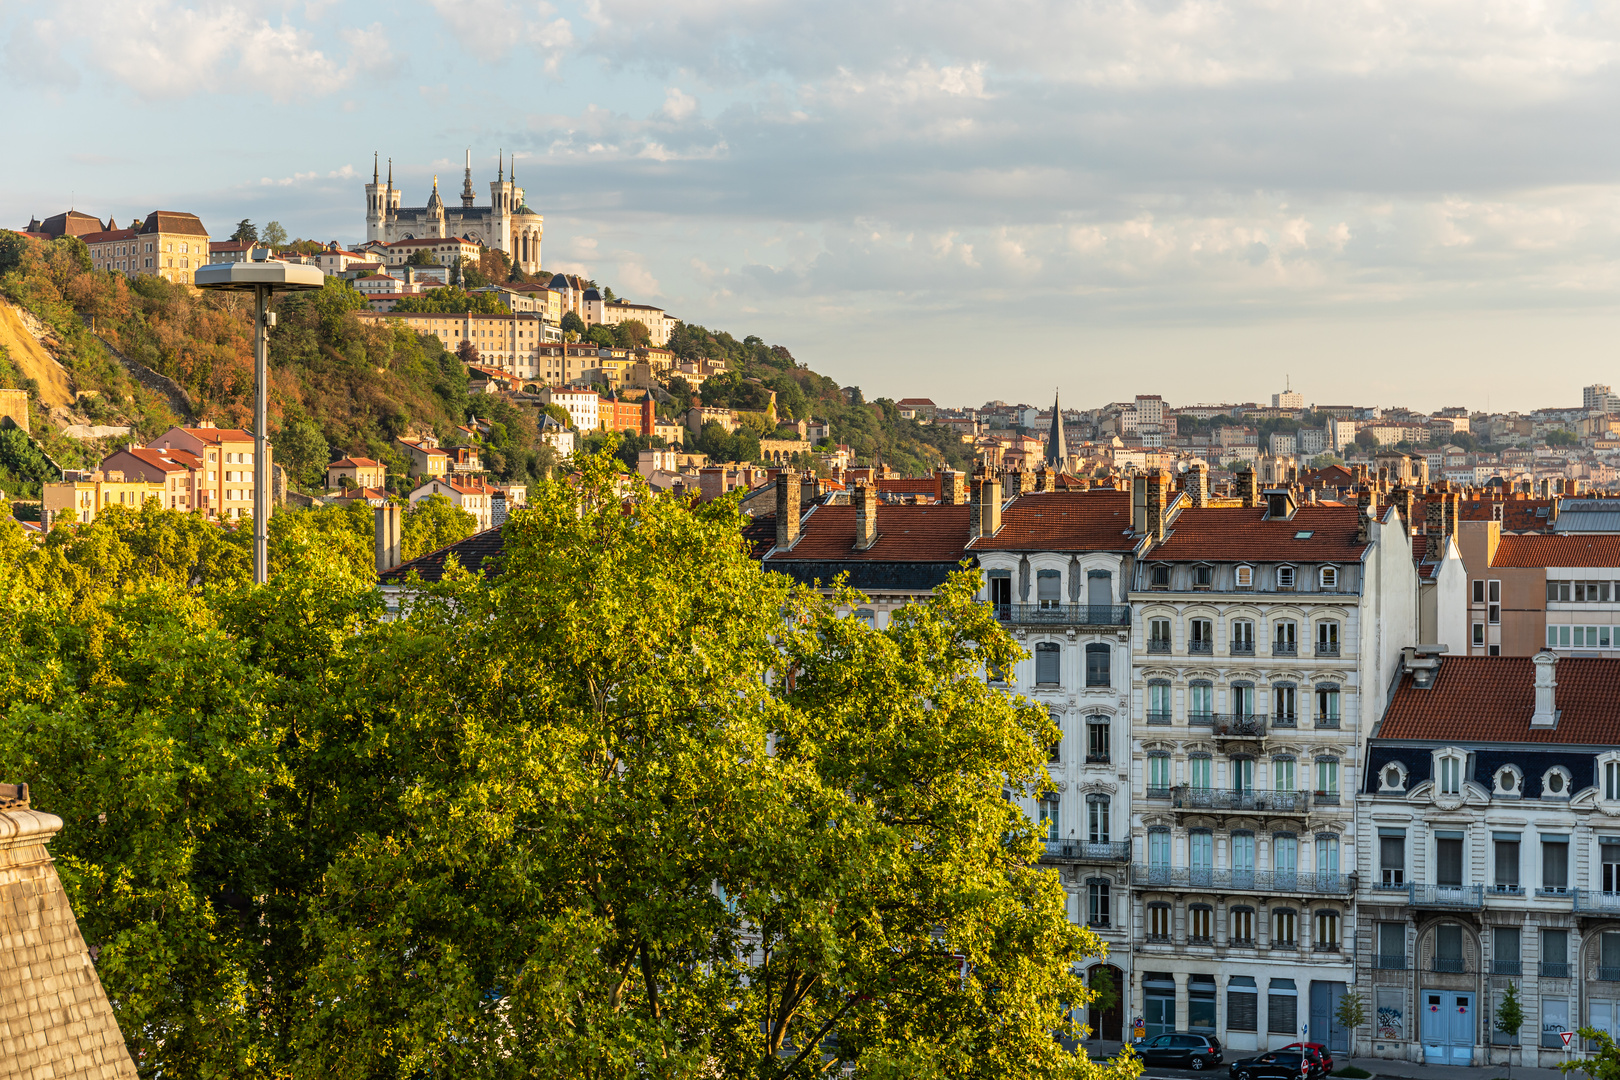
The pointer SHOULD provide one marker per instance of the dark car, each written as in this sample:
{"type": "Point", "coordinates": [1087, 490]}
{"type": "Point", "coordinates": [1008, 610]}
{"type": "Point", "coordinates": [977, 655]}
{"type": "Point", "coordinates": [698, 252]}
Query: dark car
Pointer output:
{"type": "Point", "coordinates": [1182, 1051]}
{"type": "Point", "coordinates": [1274, 1065]}
{"type": "Point", "coordinates": [1318, 1052]}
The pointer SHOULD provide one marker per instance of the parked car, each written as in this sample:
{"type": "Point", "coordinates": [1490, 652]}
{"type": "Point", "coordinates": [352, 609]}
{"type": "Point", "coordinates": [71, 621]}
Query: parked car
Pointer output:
{"type": "Point", "coordinates": [1324, 1056]}
{"type": "Point", "coordinates": [1182, 1051]}
{"type": "Point", "coordinates": [1274, 1065]}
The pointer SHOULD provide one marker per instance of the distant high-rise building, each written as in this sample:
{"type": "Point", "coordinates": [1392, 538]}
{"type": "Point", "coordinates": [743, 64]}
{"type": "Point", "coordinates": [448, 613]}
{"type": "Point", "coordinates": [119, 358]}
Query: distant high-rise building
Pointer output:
{"type": "Point", "coordinates": [1288, 399]}
{"type": "Point", "coordinates": [1149, 412]}
{"type": "Point", "coordinates": [1599, 398]}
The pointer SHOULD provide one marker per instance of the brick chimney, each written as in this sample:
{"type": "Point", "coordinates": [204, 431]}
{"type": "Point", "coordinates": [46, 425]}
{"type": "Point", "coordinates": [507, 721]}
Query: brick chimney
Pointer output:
{"type": "Point", "coordinates": [1197, 483]}
{"type": "Point", "coordinates": [787, 508]}
{"type": "Point", "coordinates": [975, 501]}
{"type": "Point", "coordinates": [1367, 510]}
{"type": "Point", "coordinates": [1045, 479]}
{"type": "Point", "coordinates": [990, 506]}
{"type": "Point", "coordinates": [953, 487]}
{"type": "Point", "coordinates": [387, 537]}
{"type": "Point", "coordinates": [1158, 498]}
{"type": "Point", "coordinates": [1434, 525]}
{"type": "Point", "coordinates": [1546, 714]}
{"type": "Point", "coordinates": [1248, 487]}
{"type": "Point", "coordinates": [866, 515]}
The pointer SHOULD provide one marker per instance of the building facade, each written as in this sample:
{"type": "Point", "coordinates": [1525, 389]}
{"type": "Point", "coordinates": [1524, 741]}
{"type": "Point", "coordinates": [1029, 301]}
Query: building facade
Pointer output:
{"type": "Point", "coordinates": [166, 244]}
{"type": "Point", "coordinates": [506, 224]}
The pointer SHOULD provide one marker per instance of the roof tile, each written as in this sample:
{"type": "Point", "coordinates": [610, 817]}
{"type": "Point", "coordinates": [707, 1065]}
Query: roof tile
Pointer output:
{"type": "Point", "coordinates": [1562, 549]}
{"type": "Point", "coordinates": [1491, 699]}
{"type": "Point", "coordinates": [1097, 520]}
{"type": "Point", "coordinates": [1233, 533]}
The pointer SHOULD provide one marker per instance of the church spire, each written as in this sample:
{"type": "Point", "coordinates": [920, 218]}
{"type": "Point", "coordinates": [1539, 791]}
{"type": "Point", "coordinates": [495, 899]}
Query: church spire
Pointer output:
{"type": "Point", "coordinates": [467, 193]}
{"type": "Point", "coordinates": [1057, 454]}
{"type": "Point", "coordinates": [374, 167]}
{"type": "Point", "coordinates": [501, 172]}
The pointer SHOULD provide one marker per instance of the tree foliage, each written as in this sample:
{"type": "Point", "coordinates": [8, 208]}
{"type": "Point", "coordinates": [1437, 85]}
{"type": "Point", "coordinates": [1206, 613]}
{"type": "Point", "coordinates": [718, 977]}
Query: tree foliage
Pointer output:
{"type": "Point", "coordinates": [275, 235]}
{"type": "Point", "coordinates": [246, 232]}
{"type": "Point", "coordinates": [451, 300]}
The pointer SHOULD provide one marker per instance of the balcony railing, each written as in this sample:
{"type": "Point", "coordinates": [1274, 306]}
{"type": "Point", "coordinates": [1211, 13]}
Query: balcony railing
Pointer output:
{"type": "Point", "coordinates": [1158, 645]}
{"type": "Point", "coordinates": [1449, 965]}
{"type": "Point", "coordinates": [1268, 881]}
{"type": "Point", "coordinates": [1507, 967]}
{"type": "Point", "coordinates": [1286, 720]}
{"type": "Point", "coordinates": [1158, 792]}
{"type": "Point", "coordinates": [1064, 614]}
{"type": "Point", "coordinates": [1596, 901]}
{"type": "Point", "coordinates": [1325, 946]}
{"type": "Point", "coordinates": [1327, 648]}
{"type": "Point", "coordinates": [1325, 798]}
{"type": "Point", "coordinates": [1391, 879]}
{"type": "Point", "coordinates": [1284, 648]}
{"type": "Point", "coordinates": [1556, 892]}
{"type": "Point", "coordinates": [1269, 802]}
{"type": "Point", "coordinates": [1201, 719]}
{"type": "Point", "coordinates": [1158, 718]}
{"type": "Point", "coordinates": [1390, 961]}
{"type": "Point", "coordinates": [1507, 890]}
{"type": "Point", "coordinates": [1097, 759]}
{"type": "Point", "coordinates": [1204, 647]}
{"type": "Point", "coordinates": [1608, 974]}
{"type": "Point", "coordinates": [1470, 897]}
{"type": "Point", "coordinates": [1551, 969]}
{"type": "Point", "coordinates": [1239, 725]}
{"type": "Point", "coordinates": [1117, 851]}
{"type": "Point", "coordinates": [1242, 648]}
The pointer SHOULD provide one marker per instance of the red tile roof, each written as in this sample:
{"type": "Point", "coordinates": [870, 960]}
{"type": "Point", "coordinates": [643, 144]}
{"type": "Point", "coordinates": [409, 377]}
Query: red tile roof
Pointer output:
{"type": "Point", "coordinates": [1518, 515]}
{"type": "Point", "coordinates": [353, 462]}
{"type": "Point", "coordinates": [760, 535]}
{"type": "Point", "coordinates": [1491, 698]}
{"type": "Point", "coordinates": [931, 533]}
{"type": "Point", "coordinates": [1064, 521]}
{"type": "Point", "coordinates": [1420, 547]}
{"type": "Point", "coordinates": [1564, 549]}
{"type": "Point", "coordinates": [1232, 534]}
{"type": "Point", "coordinates": [159, 459]}
{"type": "Point", "coordinates": [215, 435]}
{"type": "Point", "coordinates": [909, 485]}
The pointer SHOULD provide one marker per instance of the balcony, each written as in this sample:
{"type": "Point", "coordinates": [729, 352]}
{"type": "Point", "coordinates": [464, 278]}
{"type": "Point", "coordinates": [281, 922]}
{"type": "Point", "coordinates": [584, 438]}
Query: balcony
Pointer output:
{"type": "Point", "coordinates": [1390, 961]}
{"type": "Point", "coordinates": [1595, 902]}
{"type": "Point", "coordinates": [1064, 614]}
{"type": "Point", "coordinates": [1465, 897]}
{"type": "Point", "coordinates": [1247, 881]}
{"type": "Point", "coordinates": [1242, 648]}
{"type": "Point", "coordinates": [1325, 798]}
{"type": "Point", "coordinates": [1239, 725]}
{"type": "Point", "coordinates": [1507, 890]}
{"type": "Point", "coordinates": [1085, 851]}
{"type": "Point", "coordinates": [1201, 648]}
{"type": "Point", "coordinates": [1158, 645]}
{"type": "Point", "coordinates": [1158, 792]}
{"type": "Point", "coordinates": [1284, 648]}
{"type": "Point", "coordinates": [1098, 759]}
{"type": "Point", "coordinates": [1327, 648]}
{"type": "Point", "coordinates": [1506, 967]}
{"type": "Point", "coordinates": [1551, 969]}
{"type": "Point", "coordinates": [1284, 720]}
{"type": "Point", "coordinates": [1556, 892]}
{"type": "Point", "coordinates": [1259, 802]}
{"type": "Point", "coordinates": [1608, 974]}
{"type": "Point", "coordinates": [1449, 965]}
{"type": "Point", "coordinates": [1158, 718]}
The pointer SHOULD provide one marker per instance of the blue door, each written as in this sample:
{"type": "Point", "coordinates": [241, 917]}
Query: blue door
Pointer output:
{"type": "Point", "coordinates": [1460, 1020]}
{"type": "Point", "coordinates": [1448, 1027]}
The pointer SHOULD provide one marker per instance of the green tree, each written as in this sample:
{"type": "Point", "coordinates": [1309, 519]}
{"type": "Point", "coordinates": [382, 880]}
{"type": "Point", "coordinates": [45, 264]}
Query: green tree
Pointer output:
{"type": "Point", "coordinates": [1509, 1019]}
{"type": "Point", "coordinates": [433, 523]}
{"type": "Point", "coordinates": [1604, 1060]}
{"type": "Point", "coordinates": [302, 451]}
{"type": "Point", "coordinates": [1351, 1014]}
{"type": "Point", "coordinates": [275, 235]}
{"type": "Point", "coordinates": [600, 335]}
{"type": "Point", "coordinates": [473, 275]}
{"type": "Point", "coordinates": [1563, 438]}
{"type": "Point", "coordinates": [1366, 439]}
{"type": "Point", "coordinates": [451, 300]}
{"type": "Point", "coordinates": [630, 334]}
{"type": "Point", "coordinates": [572, 321]}
{"type": "Point", "coordinates": [246, 231]}
{"type": "Point", "coordinates": [422, 257]}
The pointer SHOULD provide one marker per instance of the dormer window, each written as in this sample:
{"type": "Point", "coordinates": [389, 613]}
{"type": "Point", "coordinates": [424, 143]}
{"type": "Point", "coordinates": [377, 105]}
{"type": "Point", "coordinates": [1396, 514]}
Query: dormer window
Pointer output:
{"type": "Point", "coordinates": [1330, 578]}
{"type": "Point", "coordinates": [1159, 576]}
{"type": "Point", "coordinates": [1508, 781]}
{"type": "Point", "coordinates": [1285, 577]}
{"type": "Point", "coordinates": [1392, 778]}
{"type": "Point", "coordinates": [1448, 773]}
{"type": "Point", "coordinates": [1555, 784]}
{"type": "Point", "coordinates": [1243, 577]}
{"type": "Point", "coordinates": [1610, 766]}
{"type": "Point", "coordinates": [1203, 577]}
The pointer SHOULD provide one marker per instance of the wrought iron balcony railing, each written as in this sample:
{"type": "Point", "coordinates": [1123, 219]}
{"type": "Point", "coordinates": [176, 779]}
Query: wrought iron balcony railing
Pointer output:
{"type": "Point", "coordinates": [1469, 897]}
{"type": "Point", "coordinates": [1116, 851]}
{"type": "Point", "coordinates": [1261, 802]}
{"type": "Point", "coordinates": [1064, 614]}
{"type": "Point", "coordinates": [1593, 900]}
{"type": "Point", "coordinates": [1267, 881]}
{"type": "Point", "coordinates": [1284, 648]}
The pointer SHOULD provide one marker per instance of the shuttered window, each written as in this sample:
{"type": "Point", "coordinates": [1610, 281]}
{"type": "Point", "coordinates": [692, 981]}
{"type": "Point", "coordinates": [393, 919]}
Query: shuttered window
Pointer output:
{"type": "Point", "coordinates": [1282, 1008]}
{"type": "Point", "coordinates": [1242, 1005]}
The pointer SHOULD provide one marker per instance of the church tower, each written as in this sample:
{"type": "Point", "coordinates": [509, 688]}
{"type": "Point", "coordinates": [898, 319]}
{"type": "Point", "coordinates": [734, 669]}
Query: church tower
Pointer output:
{"type": "Point", "coordinates": [501, 209]}
{"type": "Point", "coordinates": [374, 204]}
{"type": "Point", "coordinates": [468, 196]}
{"type": "Point", "coordinates": [435, 210]}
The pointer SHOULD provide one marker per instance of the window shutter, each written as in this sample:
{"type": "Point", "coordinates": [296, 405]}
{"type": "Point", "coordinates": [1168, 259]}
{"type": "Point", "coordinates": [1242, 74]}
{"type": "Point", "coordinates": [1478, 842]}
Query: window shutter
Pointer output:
{"type": "Point", "coordinates": [1242, 1010]}
{"type": "Point", "coordinates": [1282, 1014]}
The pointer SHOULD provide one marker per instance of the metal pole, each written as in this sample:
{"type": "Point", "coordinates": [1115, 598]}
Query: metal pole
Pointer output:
{"type": "Point", "coordinates": [261, 471]}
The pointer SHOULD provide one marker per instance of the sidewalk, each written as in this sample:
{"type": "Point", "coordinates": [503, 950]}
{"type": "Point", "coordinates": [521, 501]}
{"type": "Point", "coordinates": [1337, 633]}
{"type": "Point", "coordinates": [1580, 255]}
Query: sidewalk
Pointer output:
{"type": "Point", "coordinates": [1387, 1069]}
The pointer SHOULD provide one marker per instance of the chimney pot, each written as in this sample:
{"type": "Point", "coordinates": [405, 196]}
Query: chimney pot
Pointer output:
{"type": "Point", "coordinates": [866, 514]}
{"type": "Point", "coordinates": [387, 537]}
{"type": "Point", "coordinates": [1546, 714]}
{"type": "Point", "coordinates": [787, 509]}
{"type": "Point", "coordinates": [990, 506]}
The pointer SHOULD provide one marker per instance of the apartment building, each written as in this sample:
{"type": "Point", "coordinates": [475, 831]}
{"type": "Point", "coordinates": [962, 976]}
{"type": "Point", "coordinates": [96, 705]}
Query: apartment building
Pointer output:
{"type": "Point", "coordinates": [1491, 804]}
{"type": "Point", "coordinates": [445, 250]}
{"type": "Point", "coordinates": [223, 485]}
{"type": "Point", "coordinates": [427, 460]}
{"type": "Point", "coordinates": [1056, 568]}
{"type": "Point", "coordinates": [81, 496]}
{"type": "Point", "coordinates": [179, 474]}
{"type": "Point", "coordinates": [597, 311]}
{"type": "Point", "coordinates": [1535, 591]}
{"type": "Point", "coordinates": [361, 471]}
{"type": "Point", "coordinates": [167, 244]}
{"type": "Point", "coordinates": [472, 494]}
{"type": "Point", "coordinates": [1264, 636]}
{"type": "Point", "coordinates": [583, 406]}
{"type": "Point", "coordinates": [513, 342]}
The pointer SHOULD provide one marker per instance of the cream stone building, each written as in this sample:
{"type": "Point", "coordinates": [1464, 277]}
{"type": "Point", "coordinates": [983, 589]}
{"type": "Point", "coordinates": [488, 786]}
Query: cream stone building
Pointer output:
{"type": "Point", "coordinates": [169, 244]}
{"type": "Point", "coordinates": [506, 224]}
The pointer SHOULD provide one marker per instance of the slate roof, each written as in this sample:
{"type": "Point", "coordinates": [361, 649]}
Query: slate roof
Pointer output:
{"type": "Point", "coordinates": [479, 553]}
{"type": "Point", "coordinates": [1064, 521]}
{"type": "Point", "coordinates": [915, 534]}
{"type": "Point", "coordinates": [1518, 515]}
{"type": "Point", "coordinates": [1245, 534]}
{"type": "Point", "coordinates": [171, 221]}
{"type": "Point", "coordinates": [1491, 699]}
{"type": "Point", "coordinates": [1560, 549]}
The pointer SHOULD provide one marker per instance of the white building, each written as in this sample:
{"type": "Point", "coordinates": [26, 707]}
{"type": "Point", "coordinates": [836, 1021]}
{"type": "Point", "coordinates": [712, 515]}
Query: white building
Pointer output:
{"type": "Point", "coordinates": [583, 406]}
{"type": "Point", "coordinates": [471, 494]}
{"type": "Point", "coordinates": [1288, 399]}
{"type": "Point", "coordinates": [506, 224]}
{"type": "Point", "coordinates": [1264, 638]}
{"type": "Point", "coordinates": [1493, 858]}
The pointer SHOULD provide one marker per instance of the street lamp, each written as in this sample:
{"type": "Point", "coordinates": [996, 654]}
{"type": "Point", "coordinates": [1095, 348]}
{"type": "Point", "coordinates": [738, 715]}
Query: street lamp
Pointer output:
{"type": "Point", "coordinates": [261, 277]}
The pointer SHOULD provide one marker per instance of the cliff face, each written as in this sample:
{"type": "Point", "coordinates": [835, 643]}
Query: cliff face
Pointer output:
{"type": "Point", "coordinates": [55, 1019]}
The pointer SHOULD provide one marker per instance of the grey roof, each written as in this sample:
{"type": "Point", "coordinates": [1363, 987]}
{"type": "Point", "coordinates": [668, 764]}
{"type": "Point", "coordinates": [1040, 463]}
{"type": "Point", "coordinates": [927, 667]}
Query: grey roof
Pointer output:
{"type": "Point", "coordinates": [1588, 516]}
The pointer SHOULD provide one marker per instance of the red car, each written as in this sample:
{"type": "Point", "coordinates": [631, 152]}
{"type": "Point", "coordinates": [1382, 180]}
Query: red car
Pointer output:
{"type": "Point", "coordinates": [1321, 1053]}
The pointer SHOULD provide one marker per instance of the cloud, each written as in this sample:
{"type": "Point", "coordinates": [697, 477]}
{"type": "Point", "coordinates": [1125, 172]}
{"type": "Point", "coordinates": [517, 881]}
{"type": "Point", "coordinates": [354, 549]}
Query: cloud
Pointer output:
{"type": "Point", "coordinates": [498, 28]}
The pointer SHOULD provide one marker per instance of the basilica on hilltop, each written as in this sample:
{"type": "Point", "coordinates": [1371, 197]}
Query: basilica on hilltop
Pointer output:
{"type": "Point", "coordinates": [506, 223]}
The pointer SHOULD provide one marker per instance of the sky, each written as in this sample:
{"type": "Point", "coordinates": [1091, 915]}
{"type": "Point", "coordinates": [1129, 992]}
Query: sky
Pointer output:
{"type": "Point", "coordinates": [1403, 203]}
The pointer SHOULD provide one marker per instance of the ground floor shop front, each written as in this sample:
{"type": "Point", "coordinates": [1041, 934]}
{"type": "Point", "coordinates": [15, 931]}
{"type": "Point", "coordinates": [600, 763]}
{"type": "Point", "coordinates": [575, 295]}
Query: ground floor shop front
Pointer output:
{"type": "Point", "coordinates": [1248, 1004]}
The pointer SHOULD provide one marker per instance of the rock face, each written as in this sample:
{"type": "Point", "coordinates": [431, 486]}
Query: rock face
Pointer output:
{"type": "Point", "coordinates": [55, 1019]}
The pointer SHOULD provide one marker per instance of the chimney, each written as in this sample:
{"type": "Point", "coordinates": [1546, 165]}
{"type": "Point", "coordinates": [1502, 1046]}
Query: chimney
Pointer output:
{"type": "Point", "coordinates": [1139, 522]}
{"type": "Point", "coordinates": [787, 508]}
{"type": "Point", "coordinates": [866, 515]}
{"type": "Point", "coordinates": [990, 506]}
{"type": "Point", "coordinates": [1404, 502]}
{"type": "Point", "coordinates": [387, 536]}
{"type": "Point", "coordinates": [1434, 526]}
{"type": "Point", "coordinates": [953, 487]}
{"type": "Point", "coordinates": [1546, 714]}
{"type": "Point", "coordinates": [975, 502]}
{"type": "Point", "coordinates": [1280, 505]}
{"type": "Point", "coordinates": [1198, 483]}
{"type": "Point", "coordinates": [1452, 513]}
{"type": "Point", "coordinates": [1248, 487]}
{"type": "Point", "coordinates": [1158, 498]}
{"type": "Point", "coordinates": [1367, 510]}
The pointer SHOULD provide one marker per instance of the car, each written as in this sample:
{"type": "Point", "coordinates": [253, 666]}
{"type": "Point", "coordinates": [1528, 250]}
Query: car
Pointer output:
{"type": "Point", "coordinates": [1183, 1051]}
{"type": "Point", "coordinates": [1274, 1065]}
{"type": "Point", "coordinates": [1323, 1056]}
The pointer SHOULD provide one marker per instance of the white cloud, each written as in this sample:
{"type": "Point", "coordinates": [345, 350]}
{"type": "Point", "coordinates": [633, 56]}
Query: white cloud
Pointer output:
{"type": "Point", "coordinates": [497, 28]}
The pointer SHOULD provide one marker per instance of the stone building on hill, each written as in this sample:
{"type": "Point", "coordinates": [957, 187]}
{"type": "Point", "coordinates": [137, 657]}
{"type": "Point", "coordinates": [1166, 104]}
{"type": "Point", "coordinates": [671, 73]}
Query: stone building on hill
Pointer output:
{"type": "Point", "coordinates": [55, 1019]}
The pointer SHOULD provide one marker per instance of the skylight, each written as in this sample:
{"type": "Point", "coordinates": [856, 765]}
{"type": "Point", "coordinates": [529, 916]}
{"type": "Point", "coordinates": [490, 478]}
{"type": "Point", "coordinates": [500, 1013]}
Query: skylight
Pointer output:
{"type": "Point", "coordinates": [1305, 534]}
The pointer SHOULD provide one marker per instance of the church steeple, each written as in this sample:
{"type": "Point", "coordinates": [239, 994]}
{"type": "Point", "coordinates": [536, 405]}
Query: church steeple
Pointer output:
{"type": "Point", "coordinates": [1057, 453]}
{"type": "Point", "coordinates": [500, 173]}
{"type": "Point", "coordinates": [467, 193]}
{"type": "Point", "coordinates": [374, 166]}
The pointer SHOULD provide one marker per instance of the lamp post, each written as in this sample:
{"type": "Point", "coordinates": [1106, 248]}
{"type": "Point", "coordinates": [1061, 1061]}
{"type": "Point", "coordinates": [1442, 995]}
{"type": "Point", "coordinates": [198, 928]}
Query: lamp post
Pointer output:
{"type": "Point", "coordinates": [261, 277]}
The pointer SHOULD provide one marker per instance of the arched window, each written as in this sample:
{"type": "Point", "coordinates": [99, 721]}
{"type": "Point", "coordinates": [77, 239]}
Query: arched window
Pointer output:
{"type": "Point", "coordinates": [1158, 706]}
{"type": "Point", "coordinates": [1327, 638]}
{"type": "Point", "coordinates": [1327, 781]}
{"type": "Point", "coordinates": [1284, 641]}
{"type": "Point", "coordinates": [1282, 773]}
{"type": "Point", "coordinates": [1097, 665]}
{"type": "Point", "coordinates": [1392, 777]}
{"type": "Point", "coordinates": [1200, 924]}
{"type": "Point", "coordinates": [1098, 812]}
{"type": "Point", "coordinates": [1555, 784]}
{"type": "Point", "coordinates": [1200, 771]}
{"type": "Point", "coordinates": [1327, 705]}
{"type": "Point", "coordinates": [1284, 703]}
{"type": "Point", "coordinates": [1243, 698]}
{"type": "Point", "coordinates": [1158, 922]}
{"type": "Point", "coordinates": [1509, 783]}
{"type": "Point", "coordinates": [1201, 702]}
{"type": "Point", "coordinates": [1242, 637]}
{"type": "Point", "coordinates": [1158, 775]}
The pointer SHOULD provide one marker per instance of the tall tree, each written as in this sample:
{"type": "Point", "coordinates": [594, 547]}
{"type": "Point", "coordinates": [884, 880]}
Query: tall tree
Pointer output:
{"type": "Point", "coordinates": [275, 235]}
{"type": "Point", "coordinates": [246, 231]}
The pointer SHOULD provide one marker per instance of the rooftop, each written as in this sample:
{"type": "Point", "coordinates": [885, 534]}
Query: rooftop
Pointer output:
{"type": "Point", "coordinates": [1064, 521]}
{"type": "Point", "coordinates": [1491, 699]}
{"type": "Point", "coordinates": [932, 533]}
{"type": "Point", "coordinates": [479, 554]}
{"type": "Point", "coordinates": [1245, 534]}
{"type": "Point", "coordinates": [1561, 549]}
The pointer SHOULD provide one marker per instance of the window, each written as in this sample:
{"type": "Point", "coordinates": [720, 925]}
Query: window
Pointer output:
{"type": "Point", "coordinates": [1098, 905]}
{"type": "Point", "coordinates": [1284, 642]}
{"type": "Point", "coordinates": [1285, 577]}
{"type": "Point", "coordinates": [1200, 636]}
{"type": "Point", "coordinates": [1203, 577]}
{"type": "Point", "coordinates": [1555, 784]}
{"type": "Point", "coordinates": [1392, 858]}
{"type": "Point", "coordinates": [1159, 635]}
{"type": "Point", "coordinates": [1479, 633]}
{"type": "Point", "coordinates": [1158, 922]}
{"type": "Point", "coordinates": [1159, 576]}
{"type": "Point", "coordinates": [1050, 818]}
{"type": "Point", "coordinates": [1201, 854]}
{"type": "Point", "coordinates": [1609, 855]}
{"type": "Point", "coordinates": [1054, 753]}
{"type": "Point", "coordinates": [1555, 954]}
{"type": "Point", "coordinates": [1327, 705]}
{"type": "Point", "coordinates": [867, 616]}
{"type": "Point", "coordinates": [1097, 673]}
{"type": "Point", "coordinates": [1243, 854]}
{"type": "Point", "coordinates": [1479, 592]}
{"type": "Point", "coordinates": [1392, 778]}
{"type": "Point", "coordinates": [1243, 926]}
{"type": "Point", "coordinates": [1243, 577]}
{"type": "Point", "coordinates": [1327, 780]}
{"type": "Point", "coordinates": [1391, 946]}
{"type": "Point", "coordinates": [1200, 921]}
{"type": "Point", "coordinates": [1330, 578]}
{"type": "Point", "coordinates": [1507, 780]}
{"type": "Point", "coordinates": [1327, 854]}
{"type": "Point", "coordinates": [1506, 849]}
{"type": "Point", "coordinates": [1448, 948]}
{"type": "Point", "coordinates": [1048, 589]}
{"type": "Point", "coordinates": [1158, 702]}
{"type": "Point", "coordinates": [1493, 611]}
{"type": "Point", "coordinates": [1243, 637]}
{"type": "Point", "coordinates": [1098, 730]}
{"type": "Point", "coordinates": [1284, 928]}
{"type": "Point", "coordinates": [1046, 664]}
{"type": "Point", "coordinates": [1199, 771]}
{"type": "Point", "coordinates": [1159, 848]}
{"type": "Point", "coordinates": [1450, 776]}
{"type": "Point", "coordinates": [1200, 699]}
{"type": "Point", "coordinates": [1555, 865]}
{"type": "Point", "coordinates": [1242, 774]}
{"type": "Point", "coordinates": [1097, 815]}
{"type": "Point", "coordinates": [1158, 779]}
{"type": "Point", "coordinates": [1325, 932]}
{"type": "Point", "coordinates": [1282, 774]}
{"type": "Point", "coordinates": [1327, 639]}
{"type": "Point", "coordinates": [1558, 591]}
{"type": "Point", "coordinates": [1284, 698]}
{"type": "Point", "coordinates": [1284, 855]}
{"type": "Point", "coordinates": [1243, 698]}
{"type": "Point", "coordinates": [1505, 950]}
{"type": "Point", "coordinates": [1611, 780]}
{"type": "Point", "coordinates": [1448, 859]}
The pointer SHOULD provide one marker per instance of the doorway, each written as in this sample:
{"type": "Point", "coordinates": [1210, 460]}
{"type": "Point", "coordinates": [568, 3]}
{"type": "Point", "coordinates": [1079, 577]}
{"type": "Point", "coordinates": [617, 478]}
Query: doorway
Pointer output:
{"type": "Point", "coordinates": [1448, 1027]}
{"type": "Point", "coordinates": [1325, 1026]}
{"type": "Point", "coordinates": [1107, 1023]}
{"type": "Point", "coordinates": [1159, 999]}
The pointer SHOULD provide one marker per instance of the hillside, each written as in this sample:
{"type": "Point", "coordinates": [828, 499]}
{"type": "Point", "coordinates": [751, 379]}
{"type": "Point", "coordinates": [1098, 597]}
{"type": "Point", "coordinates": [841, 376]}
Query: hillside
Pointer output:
{"type": "Point", "coordinates": [339, 386]}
